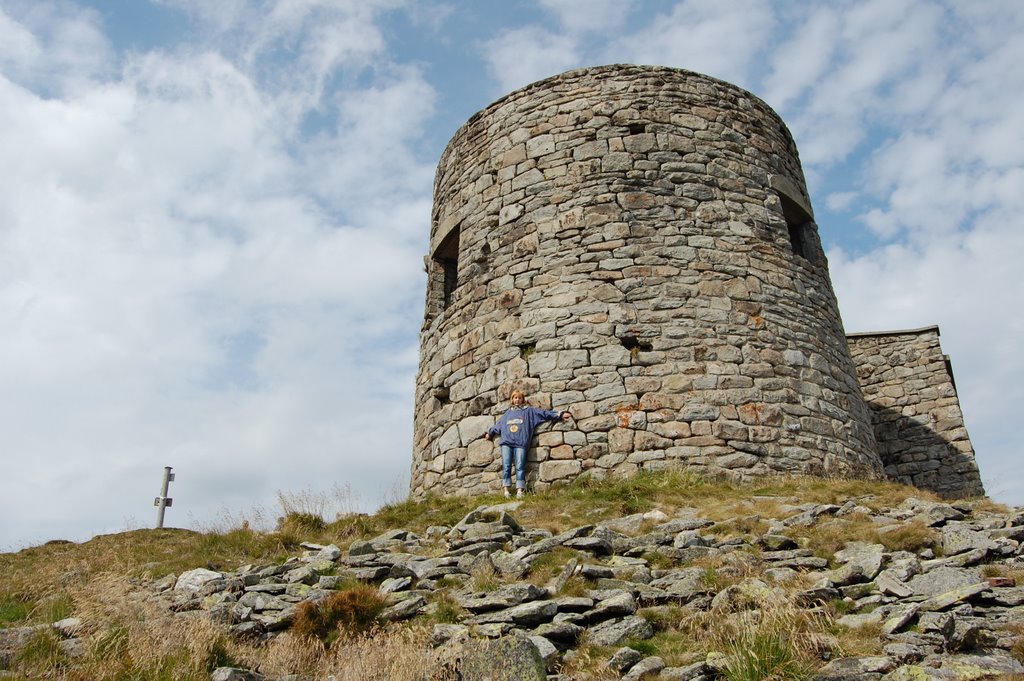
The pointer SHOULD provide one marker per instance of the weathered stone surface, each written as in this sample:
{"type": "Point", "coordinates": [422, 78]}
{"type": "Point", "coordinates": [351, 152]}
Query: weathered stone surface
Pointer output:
{"type": "Point", "coordinates": [614, 632]}
{"type": "Point", "coordinates": [395, 584]}
{"type": "Point", "coordinates": [899, 618]}
{"type": "Point", "coordinates": [886, 584]}
{"type": "Point", "coordinates": [903, 653]}
{"type": "Point", "coordinates": [648, 665]}
{"type": "Point", "coordinates": [958, 538]}
{"type": "Point", "coordinates": [505, 596]}
{"type": "Point", "coordinates": [615, 605]}
{"type": "Point", "coordinates": [855, 667]}
{"type": "Point", "coordinates": [572, 254]}
{"type": "Point", "coordinates": [193, 581]}
{"type": "Point", "coordinates": [866, 558]}
{"type": "Point", "coordinates": [509, 658]}
{"type": "Point", "coordinates": [941, 580]}
{"type": "Point", "coordinates": [920, 431]}
{"type": "Point", "coordinates": [959, 668]}
{"type": "Point", "coordinates": [861, 619]}
{"type": "Point", "coordinates": [523, 615]}
{"type": "Point", "coordinates": [951, 598]}
{"type": "Point", "coordinates": [562, 631]}
{"type": "Point", "coordinates": [623, 659]}
{"type": "Point", "coordinates": [547, 651]}
{"type": "Point", "coordinates": [405, 609]}
{"type": "Point", "coordinates": [694, 672]}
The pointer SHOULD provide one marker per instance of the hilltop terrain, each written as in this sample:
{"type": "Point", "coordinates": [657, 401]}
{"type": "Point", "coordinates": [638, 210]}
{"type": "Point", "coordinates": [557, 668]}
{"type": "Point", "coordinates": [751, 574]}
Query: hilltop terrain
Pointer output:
{"type": "Point", "coordinates": [661, 576]}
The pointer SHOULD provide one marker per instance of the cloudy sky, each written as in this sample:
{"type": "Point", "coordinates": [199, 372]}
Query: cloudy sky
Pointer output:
{"type": "Point", "coordinates": [213, 217]}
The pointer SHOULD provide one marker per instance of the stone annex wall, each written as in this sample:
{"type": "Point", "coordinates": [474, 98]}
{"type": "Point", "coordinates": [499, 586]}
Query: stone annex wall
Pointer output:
{"type": "Point", "coordinates": [908, 383]}
{"type": "Point", "coordinates": [635, 244]}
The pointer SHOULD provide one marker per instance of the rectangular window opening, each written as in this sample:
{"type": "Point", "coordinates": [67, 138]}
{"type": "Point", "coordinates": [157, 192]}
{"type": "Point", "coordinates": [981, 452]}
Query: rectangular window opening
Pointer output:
{"type": "Point", "coordinates": [797, 221]}
{"type": "Point", "coordinates": [796, 239]}
{"type": "Point", "coordinates": [447, 259]}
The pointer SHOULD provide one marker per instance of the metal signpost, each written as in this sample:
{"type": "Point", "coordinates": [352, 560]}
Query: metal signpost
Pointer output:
{"type": "Point", "coordinates": [163, 501]}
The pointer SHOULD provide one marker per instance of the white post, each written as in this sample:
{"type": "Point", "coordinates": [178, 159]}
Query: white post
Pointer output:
{"type": "Point", "coordinates": [163, 501]}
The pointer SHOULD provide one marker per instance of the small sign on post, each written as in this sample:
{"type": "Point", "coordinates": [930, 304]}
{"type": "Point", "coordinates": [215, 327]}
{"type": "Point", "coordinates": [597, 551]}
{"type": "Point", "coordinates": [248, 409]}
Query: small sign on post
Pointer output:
{"type": "Point", "coordinates": [163, 501]}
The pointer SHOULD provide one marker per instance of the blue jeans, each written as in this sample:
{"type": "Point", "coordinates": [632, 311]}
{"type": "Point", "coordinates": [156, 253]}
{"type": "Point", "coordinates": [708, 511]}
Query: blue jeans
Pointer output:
{"type": "Point", "coordinates": [507, 452]}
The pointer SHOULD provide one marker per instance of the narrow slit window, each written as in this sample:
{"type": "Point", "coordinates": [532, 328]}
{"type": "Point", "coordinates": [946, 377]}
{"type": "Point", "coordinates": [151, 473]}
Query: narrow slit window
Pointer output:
{"type": "Point", "coordinates": [796, 239]}
{"type": "Point", "coordinates": [447, 259]}
{"type": "Point", "coordinates": [797, 222]}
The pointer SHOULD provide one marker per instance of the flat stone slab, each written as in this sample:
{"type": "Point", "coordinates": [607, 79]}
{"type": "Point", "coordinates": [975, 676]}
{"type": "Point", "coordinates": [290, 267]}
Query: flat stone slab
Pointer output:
{"type": "Point", "coordinates": [951, 598]}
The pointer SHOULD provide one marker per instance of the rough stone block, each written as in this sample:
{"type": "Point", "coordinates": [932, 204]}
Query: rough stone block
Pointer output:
{"type": "Point", "coordinates": [550, 471]}
{"type": "Point", "coordinates": [562, 452]}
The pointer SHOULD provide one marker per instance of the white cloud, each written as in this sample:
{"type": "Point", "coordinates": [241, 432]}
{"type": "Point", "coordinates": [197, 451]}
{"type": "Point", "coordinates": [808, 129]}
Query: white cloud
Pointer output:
{"type": "Point", "coordinates": [373, 130]}
{"type": "Point", "coordinates": [596, 15]}
{"type": "Point", "coordinates": [54, 48]}
{"type": "Point", "coordinates": [18, 46]}
{"type": "Point", "coordinates": [798, 64]}
{"type": "Point", "coordinates": [216, 17]}
{"type": "Point", "coordinates": [715, 38]}
{"type": "Point", "coordinates": [839, 201]}
{"type": "Point", "coordinates": [868, 61]}
{"type": "Point", "coordinates": [183, 285]}
{"type": "Point", "coordinates": [521, 56]}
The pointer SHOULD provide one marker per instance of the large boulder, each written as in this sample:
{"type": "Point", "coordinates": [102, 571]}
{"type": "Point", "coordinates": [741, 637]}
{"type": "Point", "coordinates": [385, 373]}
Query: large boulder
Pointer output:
{"type": "Point", "coordinates": [509, 658]}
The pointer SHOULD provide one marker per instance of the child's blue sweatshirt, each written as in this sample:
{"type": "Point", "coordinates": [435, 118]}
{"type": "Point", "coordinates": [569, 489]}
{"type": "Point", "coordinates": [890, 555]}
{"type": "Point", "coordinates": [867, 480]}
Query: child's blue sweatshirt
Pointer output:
{"type": "Point", "coordinates": [517, 424]}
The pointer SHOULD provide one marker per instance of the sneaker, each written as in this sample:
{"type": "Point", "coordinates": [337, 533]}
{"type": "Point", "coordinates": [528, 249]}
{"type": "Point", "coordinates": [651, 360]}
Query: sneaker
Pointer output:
{"type": "Point", "coordinates": [520, 493]}
{"type": "Point", "coordinates": [507, 493]}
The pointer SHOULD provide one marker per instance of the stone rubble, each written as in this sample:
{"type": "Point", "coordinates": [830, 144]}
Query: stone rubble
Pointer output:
{"type": "Point", "coordinates": [941, 617]}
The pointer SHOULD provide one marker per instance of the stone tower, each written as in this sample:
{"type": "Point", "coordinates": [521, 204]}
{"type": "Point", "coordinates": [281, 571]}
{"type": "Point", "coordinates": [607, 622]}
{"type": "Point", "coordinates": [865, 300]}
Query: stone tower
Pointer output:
{"type": "Point", "coordinates": [635, 244]}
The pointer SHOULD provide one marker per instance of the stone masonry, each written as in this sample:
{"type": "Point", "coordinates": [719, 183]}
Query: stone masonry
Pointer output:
{"type": "Point", "coordinates": [634, 244]}
{"type": "Point", "coordinates": [919, 428]}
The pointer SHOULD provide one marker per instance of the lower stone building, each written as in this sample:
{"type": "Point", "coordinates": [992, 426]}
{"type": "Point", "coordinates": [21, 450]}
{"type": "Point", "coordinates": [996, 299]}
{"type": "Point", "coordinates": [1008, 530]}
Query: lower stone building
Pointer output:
{"type": "Point", "coordinates": [919, 429]}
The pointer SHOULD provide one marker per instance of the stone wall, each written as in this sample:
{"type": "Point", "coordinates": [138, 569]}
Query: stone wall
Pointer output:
{"type": "Point", "coordinates": [919, 428]}
{"type": "Point", "coordinates": [634, 244]}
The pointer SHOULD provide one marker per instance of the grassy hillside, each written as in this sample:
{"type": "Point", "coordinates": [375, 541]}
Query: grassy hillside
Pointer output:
{"type": "Point", "coordinates": [100, 580]}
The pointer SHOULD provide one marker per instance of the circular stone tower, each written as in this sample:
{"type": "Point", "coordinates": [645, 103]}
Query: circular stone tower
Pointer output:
{"type": "Point", "coordinates": [634, 244]}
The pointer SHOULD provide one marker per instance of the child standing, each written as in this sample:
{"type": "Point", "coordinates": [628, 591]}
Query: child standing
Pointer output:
{"type": "Point", "coordinates": [516, 428]}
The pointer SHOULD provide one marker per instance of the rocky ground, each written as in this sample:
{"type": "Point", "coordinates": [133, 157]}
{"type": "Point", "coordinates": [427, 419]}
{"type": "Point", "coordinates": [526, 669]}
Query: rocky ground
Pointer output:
{"type": "Point", "coordinates": [952, 611]}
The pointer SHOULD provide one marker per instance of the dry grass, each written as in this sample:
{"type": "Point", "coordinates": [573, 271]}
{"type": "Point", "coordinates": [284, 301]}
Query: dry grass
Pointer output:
{"type": "Point", "coordinates": [863, 640]}
{"type": "Point", "coordinates": [129, 638]}
{"type": "Point", "coordinates": [589, 501]}
{"type": "Point", "coordinates": [56, 572]}
{"type": "Point", "coordinates": [550, 565]}
{"type": "Point", "coordinates": [353, 611]}
{"type": "Point", "coordinates": [340, 501]}
{"type": "Point", "coordinates": [483, 577]}
{"type": "Point", "coordinates": [575, 586]}
{"type": "Point", "coordinates": [774, 640]}
{"type": "Point", "coordinates": [400, 654]}
{"type": "Point", "coordinates": [446, 610]}
{"type": "Point", "coordinates": [1017, 649]}
{"type": "Point", "coordinates": [745, 526]}
{"type": "Point", "coordinates": [587, 663]}
{"type": "Point", "coordinates": [771, 639]}
{"type": "Point", "coordinates": [832, 534]}
{"type": "Point", "coordinates": [758, 646]}
{"type": "Point", "coordinates": [913, 536]}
